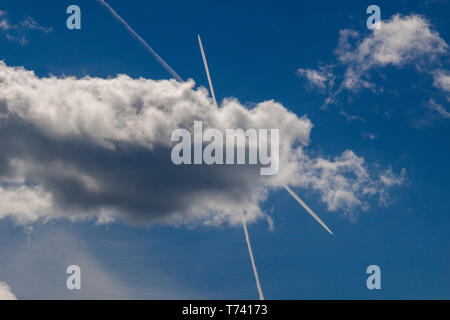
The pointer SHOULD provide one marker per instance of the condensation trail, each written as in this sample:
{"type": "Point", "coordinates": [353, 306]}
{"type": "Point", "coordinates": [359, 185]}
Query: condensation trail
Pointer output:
{"type": "Point", "coordinates": [315, 216]}
{"type": "Point", "coordinates": [255, 271]}
{"type": "Point", "coordinates": [178, 78]}
{"type": "Point", "coordinates": [141, 41]}
{"type": "Point", "coordinates": [207, 71]}
{"type": "Point", "coordinates": [292, 193]}
{"type": "Point", "coordinates": [244, 223]}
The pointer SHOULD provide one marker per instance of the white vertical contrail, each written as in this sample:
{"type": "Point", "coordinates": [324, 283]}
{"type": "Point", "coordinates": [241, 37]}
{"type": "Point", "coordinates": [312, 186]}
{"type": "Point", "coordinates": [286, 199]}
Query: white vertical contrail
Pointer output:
{"type": "Point", "coordinates": [207, 71]}
{"type": "Point", "coordinates": [141, 41]}
{"type": "Point", "coordinates": [244, 223]}
{"type": "Point", "coordinates": [255, 271]}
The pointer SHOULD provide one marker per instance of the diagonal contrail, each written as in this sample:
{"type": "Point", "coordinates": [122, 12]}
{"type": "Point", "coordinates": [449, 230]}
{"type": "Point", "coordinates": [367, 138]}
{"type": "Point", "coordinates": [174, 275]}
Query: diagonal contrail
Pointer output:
{"type": "Point", "coordinates": [178, 78]}
{"type": "Point", "coordinates": [315, 216]}
{"type": "Point", "coordinates": [296, 197]}
{"type": "Point", "coordinates": [141, 41]}
{"type": "Point", "coordinates": [244, 223]}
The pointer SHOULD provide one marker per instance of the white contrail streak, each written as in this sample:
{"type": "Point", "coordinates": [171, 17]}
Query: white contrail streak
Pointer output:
{"type": "Point", "coordinates": [244, 223]}
{"type": "Point", "coordinates": [315, 216]}
{"type": "Point", "coordinates": [207, 70]}
{"type": "Point", "coordinates": [141, 41]}
{"type": "Point", "coordinates": [178, 78]}
{"type": "Point", "coordinates": [255, 271]}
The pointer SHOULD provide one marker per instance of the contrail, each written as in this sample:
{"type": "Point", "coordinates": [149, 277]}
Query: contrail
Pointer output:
{"type": "Point", "coordinates": [207, 71]}
{"type": "Point", "coordinates": [255, 271]}
{"type": "Point", "coordinates": [244, 223]}
{"type": "Point", "coordinates": [296, 197]}
{"type": "Point", "coordinates": [178, 78]}
{"type": "Point", "coordinates": [315, 216]}
{"type": "Point", "coordinates": [141, 41]}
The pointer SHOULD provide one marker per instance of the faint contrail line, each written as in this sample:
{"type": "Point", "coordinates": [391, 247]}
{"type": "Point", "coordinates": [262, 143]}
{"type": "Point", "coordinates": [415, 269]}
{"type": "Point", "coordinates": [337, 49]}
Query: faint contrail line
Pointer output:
{"type": "Point", "coordinates": [244, 223]}
{"type": "Point", "coordinates": [207, 71]}
{"type": "Point", "coordinates": [141, 41]}
{"type": "Point", "coordinates": [315, 216]}
{"type": "Point", "coordinates": [255, 271]}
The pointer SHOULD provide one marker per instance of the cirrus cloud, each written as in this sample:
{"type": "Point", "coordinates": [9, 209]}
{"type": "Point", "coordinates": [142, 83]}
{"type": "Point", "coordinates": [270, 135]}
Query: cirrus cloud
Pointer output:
{"type": "Point", "coordinates": [17, 32]}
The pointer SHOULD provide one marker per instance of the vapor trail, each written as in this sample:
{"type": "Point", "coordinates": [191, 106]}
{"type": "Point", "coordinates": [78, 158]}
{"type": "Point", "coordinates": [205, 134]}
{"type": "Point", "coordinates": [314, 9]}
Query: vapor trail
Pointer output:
{"type": "Point", "coordinates": [296, 197]}
{"type": "Point", "coordinates": [244, 223]}
{"type": "Point", "coordinates": [315, 216]}
{"type": "Point", "coordinates": [207, 71]}
{"type": "Point", "coordinates": [255, 271]}
{"type": "Point", "coordinates": [141, 41]}
{"type": "Point", "coordinates": [178, 78]}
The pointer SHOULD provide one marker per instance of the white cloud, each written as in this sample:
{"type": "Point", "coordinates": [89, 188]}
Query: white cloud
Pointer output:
{"type": "Point", "coordinates": [439, 109]}
{"type": "Point", "coordinates": [345, 181]}
{"type": "Point", "coordinates": [100, 148]}
{"type": "Point", "coordinates": [399, 41]}
{"type": "Point", "coordinates": [442, 80]}
{"type": "Point", "coordinates": [388, 178]}
{"type": "Point", "coordinates": [26, 204]}
{"type": "Point", "coordinates": [5, 292]}
{"type": "Point", "coordinates": [317, 78]}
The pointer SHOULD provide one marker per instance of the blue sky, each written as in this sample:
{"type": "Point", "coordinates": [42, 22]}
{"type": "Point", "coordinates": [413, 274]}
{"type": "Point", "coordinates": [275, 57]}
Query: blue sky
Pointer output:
{"type": "Point", "coordinates": [254, 51]}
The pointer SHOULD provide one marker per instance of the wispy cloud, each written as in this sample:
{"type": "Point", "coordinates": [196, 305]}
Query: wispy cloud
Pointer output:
{"type": "Point", "coordinates": [18, 32]}
{"type": "Point", "coordinates": [351, 117]}
{"type": "Point", "coordinates": [439, 109]}
{"type": "Point", "coordinates": [321, 78]}
{"type": "Point", "coordinates": [434, 113]}
{"type": "Point", "coordinates": [370, 135]}
{"type": "Point", "coordinates": [401, 41]}
{"type": "Point", "coordinates": [442, 79]}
